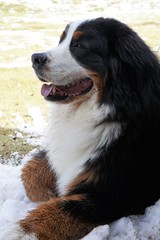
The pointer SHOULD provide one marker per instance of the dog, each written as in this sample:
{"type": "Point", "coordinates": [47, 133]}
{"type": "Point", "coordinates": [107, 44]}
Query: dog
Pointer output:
{"type": "Point", "coordinates": [102, 154]}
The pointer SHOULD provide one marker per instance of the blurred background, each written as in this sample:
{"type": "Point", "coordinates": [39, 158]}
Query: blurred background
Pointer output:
{"type": "Point", "coordinates": [28, 26]}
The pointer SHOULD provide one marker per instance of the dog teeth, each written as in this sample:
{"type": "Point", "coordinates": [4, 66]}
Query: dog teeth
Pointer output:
{"type": "Point", "coordinates": [73, 95]}
{"type": "Point", "coordinates": [75, 83]}
{"type": "Point", "coordinates": [53, 90]}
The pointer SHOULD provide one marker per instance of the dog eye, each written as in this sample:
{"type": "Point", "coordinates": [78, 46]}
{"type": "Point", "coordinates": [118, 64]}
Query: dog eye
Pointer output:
{"type": "Point", "coordinates": [76, 45]}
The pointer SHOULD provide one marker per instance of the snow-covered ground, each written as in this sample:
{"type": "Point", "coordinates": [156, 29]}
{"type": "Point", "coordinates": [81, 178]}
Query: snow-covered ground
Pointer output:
{"type": "Point", "coordinates": [14, 205]}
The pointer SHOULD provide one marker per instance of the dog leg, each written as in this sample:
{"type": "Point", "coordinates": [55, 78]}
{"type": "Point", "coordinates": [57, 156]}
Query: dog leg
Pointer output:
{"type": "Point", "coordinates": [38, 179]}
{"type": "Point", "coordinates": [49, 221]}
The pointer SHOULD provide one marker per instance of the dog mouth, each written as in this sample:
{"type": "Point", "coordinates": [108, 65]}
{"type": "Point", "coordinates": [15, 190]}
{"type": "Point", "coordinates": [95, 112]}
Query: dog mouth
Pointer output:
{"type": "Point", "coordinates": [53, 92]}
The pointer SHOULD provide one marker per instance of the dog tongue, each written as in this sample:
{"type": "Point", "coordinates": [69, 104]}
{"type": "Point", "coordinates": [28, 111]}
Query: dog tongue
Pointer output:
{"type": "Point", "coordinates": [46, 89]}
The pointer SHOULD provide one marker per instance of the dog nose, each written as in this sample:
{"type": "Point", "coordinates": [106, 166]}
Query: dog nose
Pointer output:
{"type": "Point", "coordinates": [38, 59]}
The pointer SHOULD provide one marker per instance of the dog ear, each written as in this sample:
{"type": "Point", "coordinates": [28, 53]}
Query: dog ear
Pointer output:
{"type": "Point", "coordinates": [133, 81]}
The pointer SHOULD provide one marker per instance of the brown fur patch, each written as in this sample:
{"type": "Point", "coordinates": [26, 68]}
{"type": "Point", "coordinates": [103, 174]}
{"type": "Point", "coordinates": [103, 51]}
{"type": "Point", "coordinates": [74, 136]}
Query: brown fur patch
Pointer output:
{"type": "Point", "coordinates": [38, 180]}
{"type": "Point", "coordinates": [85, 178]}
{"type": "Point", "coordinates": [97, 87]}
{"type": "Point", "coordinates": [76, 197]}
{"type": "Point", "coordinates": [48, 222]}
{"type": "Point", "coordinates": [98, 82]}
{"type": "Point", "coordinates": [77, 34]}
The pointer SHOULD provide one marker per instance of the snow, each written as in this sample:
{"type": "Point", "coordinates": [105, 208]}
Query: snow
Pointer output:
{"type": "Point", "coordinates": [14, 205]}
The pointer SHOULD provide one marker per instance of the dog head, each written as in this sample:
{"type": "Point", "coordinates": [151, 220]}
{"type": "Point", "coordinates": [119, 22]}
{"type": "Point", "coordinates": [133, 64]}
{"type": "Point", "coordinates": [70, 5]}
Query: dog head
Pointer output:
{"type": "Point", "coordinates": [103, 57]}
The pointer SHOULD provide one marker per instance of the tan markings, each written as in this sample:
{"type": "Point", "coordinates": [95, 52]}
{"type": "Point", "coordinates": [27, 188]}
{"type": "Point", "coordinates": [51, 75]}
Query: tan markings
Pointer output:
{"type": "Point", "coordinates": [48, 222]}
{"type": "Point", "coordinates": [83, 98]}
{"type": "Point", "coordinates": [85, 178]}
{"type": "Point", "coordinates": [77, 34]}
{"type": "Point", "coordinates": [98, 82]}
{"type": "Point", "coordinates": [38, 180]}
{"type": "Point", "coordinates": [97, 88]}
{"type": "Point", "coordinates": [76, 197]}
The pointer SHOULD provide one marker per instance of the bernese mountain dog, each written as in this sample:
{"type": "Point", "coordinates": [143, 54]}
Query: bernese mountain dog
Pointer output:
{"type": "Point", "coordinates": [102, 156]}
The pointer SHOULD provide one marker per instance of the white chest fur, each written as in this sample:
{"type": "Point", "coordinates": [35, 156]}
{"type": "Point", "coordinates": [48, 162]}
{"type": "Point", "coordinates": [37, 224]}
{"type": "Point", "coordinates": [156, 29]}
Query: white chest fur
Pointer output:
{"type": "Point", "coordinates": [75, 136]}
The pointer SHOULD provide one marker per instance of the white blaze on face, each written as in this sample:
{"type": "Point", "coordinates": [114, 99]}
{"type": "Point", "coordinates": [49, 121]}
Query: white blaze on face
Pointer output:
{"type": "Point", "coordinates": [62, 68]}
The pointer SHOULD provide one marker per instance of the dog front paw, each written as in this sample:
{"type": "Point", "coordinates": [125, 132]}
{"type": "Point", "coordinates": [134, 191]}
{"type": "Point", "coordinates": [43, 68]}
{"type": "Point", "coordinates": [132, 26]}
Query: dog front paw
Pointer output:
{"type": "Point", "coordinates": [16, 233]}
